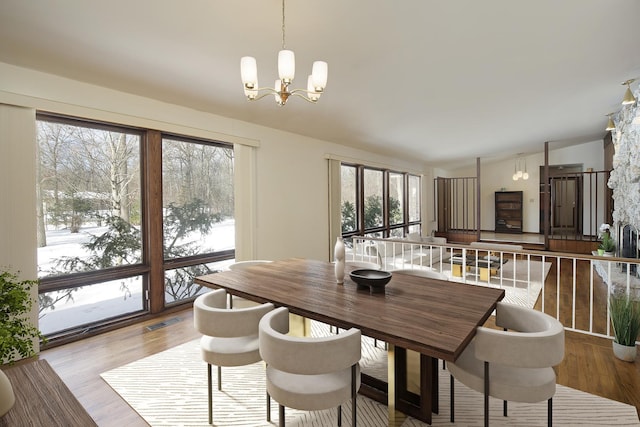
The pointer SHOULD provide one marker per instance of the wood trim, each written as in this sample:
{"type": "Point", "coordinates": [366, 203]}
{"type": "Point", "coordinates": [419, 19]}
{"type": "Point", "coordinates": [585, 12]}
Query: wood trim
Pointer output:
{"type": "Point", "coordinates": [152, 200]}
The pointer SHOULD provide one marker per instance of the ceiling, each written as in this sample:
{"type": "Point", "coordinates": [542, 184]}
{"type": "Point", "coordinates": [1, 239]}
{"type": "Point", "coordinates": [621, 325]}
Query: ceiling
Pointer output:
{"type": "Point", "coordinates": [439, 81]}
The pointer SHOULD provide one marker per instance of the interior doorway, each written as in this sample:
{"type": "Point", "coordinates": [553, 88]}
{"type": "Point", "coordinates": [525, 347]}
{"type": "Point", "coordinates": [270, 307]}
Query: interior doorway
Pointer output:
{"type": "Point", "coordinates": [566, 198]}
{"type": "Point", "coordinates": [565, 206]}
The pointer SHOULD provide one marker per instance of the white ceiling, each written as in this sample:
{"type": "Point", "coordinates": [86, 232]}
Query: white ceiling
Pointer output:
{"type": "Point", "coordinates": [441, 81]}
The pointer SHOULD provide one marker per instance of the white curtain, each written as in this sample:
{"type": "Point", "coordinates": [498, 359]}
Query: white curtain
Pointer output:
{"type": "Point", "coordinates": [244, 181]}
{"type": "Point", "coordinates": [335, 200]}
{"type": "Point", "coordinates": [18, 242]}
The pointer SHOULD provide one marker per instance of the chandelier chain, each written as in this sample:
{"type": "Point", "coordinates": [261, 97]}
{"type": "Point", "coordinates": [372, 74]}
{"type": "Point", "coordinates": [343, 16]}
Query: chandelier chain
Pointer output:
{"type": "Point", "coordinates": [283, 44]}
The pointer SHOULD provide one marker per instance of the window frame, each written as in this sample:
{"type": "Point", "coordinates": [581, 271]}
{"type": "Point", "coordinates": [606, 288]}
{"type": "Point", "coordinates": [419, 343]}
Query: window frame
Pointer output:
{"type": "Point", "coordinates": [386, 228]}
{"type": "Point", "coordinates": [152, 267]}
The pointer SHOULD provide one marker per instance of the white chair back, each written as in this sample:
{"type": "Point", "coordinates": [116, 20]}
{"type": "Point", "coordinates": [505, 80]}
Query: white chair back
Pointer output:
{"type": "Point", "coordinates": [211, 316]}
{"type": "Point", "coordinates": [533, 339]}
{"type": "Point", "coordinates": [309, 373]}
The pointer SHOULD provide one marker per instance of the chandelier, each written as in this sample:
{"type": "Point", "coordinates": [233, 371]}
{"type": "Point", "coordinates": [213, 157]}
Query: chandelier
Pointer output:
{"type": "Point", "coordinates": [316, 82]}
{"type": "Point", "coordinates": [518, 173]}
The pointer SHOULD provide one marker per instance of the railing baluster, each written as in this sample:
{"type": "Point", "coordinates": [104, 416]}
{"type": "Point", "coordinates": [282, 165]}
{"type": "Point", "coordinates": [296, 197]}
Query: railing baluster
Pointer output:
{"type": "Point", "coordinates": [382, 252]}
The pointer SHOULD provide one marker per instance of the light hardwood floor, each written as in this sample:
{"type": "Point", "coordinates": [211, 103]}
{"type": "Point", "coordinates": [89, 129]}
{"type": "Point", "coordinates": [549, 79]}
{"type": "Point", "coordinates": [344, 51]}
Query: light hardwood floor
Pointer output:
{"type": "Point", "coordinates": [589, 364]}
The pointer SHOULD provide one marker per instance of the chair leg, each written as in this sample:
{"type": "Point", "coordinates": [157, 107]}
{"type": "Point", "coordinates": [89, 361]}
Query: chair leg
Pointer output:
{"type": "Point", "coordinates": [219, 378]}
{"type": "Point", "coordinates": [444, 365]}
{"type": "Point", "coordinates": [268, 407]}
{"type": "Point", "coordinates": [486, 394]}
{"type": "Point", "coordinates": [339, 415]}
{"type": "Point", "coordinates": [550, 412]}
{"type": "Point", "coordinates": [451, 399]}
{"type": "Point", "coordinates": [209, 391]}
{"type": "Point", "coordinates": [354, 398]}
{"type": "Point", "coordinates": [280, 415]}
{"type": "Point", "coordinates": [504, 408]}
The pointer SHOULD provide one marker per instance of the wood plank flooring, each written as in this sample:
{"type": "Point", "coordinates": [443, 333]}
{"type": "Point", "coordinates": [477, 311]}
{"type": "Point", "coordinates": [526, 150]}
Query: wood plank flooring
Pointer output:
{"type": "Point", "coordinates": [589, 364]}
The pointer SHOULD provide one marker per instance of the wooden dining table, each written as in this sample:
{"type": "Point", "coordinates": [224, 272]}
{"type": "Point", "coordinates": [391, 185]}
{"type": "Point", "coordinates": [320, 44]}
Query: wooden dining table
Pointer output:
{"type": "Point", "coordinates": [434, 318]}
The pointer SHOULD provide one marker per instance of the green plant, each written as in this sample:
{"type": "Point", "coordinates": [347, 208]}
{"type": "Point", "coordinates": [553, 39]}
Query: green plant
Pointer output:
{"type": "Point", "coordinates": [16, 332]}
{"type": "Point", "coordinates": [625, 318]}
{"type": "Point", "coordinates": [606, 243]}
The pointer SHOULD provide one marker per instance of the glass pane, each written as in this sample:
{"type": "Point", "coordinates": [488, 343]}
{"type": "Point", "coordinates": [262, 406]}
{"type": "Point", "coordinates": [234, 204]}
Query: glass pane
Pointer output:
{"type": "Point", "coordinates": [396, 232]}
{"type": "Point", "coordinates": [415, 228]}
{"type": "Point", "coordinates": [88, 193]}
{"type": "Point", "coordinates": [77, 307]}
{"type": "Point", "coordinates": [372, 199]}
{"type": "Point", "coordinates": [377, 234]}
{"type": "Point", "coordinates": [198, 212]}
{"type": "Point", "coordinates": [179, 283]}
{"type": "Point", "coordinates": [396, 198]}
{"type": "Point", "coordinates": [414, 198]}
{"type": "Point", "coordinates": [348, 194]}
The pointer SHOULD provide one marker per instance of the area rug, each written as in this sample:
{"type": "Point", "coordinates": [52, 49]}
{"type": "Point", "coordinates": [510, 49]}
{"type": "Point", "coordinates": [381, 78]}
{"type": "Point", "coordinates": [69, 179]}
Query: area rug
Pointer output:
{"type": "Point", "coordinates": [170, 389]}
{"type": "Point", "coordinates": [521, 279]}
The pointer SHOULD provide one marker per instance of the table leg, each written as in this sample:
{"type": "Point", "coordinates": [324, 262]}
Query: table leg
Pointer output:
{"type": "Point", "coordinates": [299, 326]}
{"type": "Point", "coordinates": [418, 372]}
{"type": "Point", "coordinates": [396, 418]}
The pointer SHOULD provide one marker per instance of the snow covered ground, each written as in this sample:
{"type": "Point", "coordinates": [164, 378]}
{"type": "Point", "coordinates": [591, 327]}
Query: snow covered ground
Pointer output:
{"type": "Point", "coordinates": [108, 299]}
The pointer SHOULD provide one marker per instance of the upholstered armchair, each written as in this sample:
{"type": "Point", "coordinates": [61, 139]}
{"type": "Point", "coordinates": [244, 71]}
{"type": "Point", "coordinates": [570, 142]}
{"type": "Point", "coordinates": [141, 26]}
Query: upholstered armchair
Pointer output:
{"type": "Point", "coordinates": [309, 373]}
{"type": "Point", "coordinates": [515, 363]}
{"type": "Point", "coordinates": [230, 336]}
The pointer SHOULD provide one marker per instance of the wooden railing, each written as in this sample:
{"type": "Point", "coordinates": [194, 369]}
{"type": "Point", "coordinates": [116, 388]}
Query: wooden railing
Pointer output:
{"type": "Point", "coordinates": [573, 288]}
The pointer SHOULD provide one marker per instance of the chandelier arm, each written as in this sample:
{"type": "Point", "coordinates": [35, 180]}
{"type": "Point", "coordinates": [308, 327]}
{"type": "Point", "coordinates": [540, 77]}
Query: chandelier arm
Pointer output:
{"type": "Point", "coordinates": [306, 91]}
{"type": "Point", "coordinates": [269, 91]}
{"type": "Point", "coordinates": [300, 95]}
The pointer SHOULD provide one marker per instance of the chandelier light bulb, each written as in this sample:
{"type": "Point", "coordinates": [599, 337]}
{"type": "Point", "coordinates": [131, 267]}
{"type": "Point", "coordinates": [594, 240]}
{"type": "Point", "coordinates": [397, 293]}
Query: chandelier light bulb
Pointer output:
{"type": "Point", "coordinates": [313, 94]}
{"type": "Point", "coordinates": [319, 73]}
{"type": "Point", "coordinates": [286, 66]}
{"type": "Point", "coordinates": [249, 72]}
{"type": "Point", "coordinates": [515, 176]}
{"type": "Point", "coordinates": [525, 175]}
{"type": "Point", "coordinates": [277, 86]}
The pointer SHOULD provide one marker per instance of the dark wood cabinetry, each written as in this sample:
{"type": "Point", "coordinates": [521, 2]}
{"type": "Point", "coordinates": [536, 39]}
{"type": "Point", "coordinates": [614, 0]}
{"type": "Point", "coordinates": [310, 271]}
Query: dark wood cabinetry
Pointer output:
{"type": "Point", "coordinates": [508, 211]}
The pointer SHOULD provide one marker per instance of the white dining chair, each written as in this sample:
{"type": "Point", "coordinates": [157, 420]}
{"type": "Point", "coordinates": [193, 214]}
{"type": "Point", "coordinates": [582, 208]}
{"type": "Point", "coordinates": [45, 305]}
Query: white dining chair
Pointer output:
{"type": "Point", "coordinates": [309, 373]}
{"type": "Point", "coordinates": [229, 336]}
{"type": "Point", "coordinates": [515, 363]}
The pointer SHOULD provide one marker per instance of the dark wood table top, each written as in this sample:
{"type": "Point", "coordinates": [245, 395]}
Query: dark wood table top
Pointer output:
{"type": "Point", "coordinates": [42, 398]}
{"type": "Point", "coordinates": [433, 317]}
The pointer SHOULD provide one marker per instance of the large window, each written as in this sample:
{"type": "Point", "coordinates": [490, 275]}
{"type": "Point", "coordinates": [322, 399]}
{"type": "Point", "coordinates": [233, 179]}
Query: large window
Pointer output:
{"type": "Point", "coordinates": [126, 219]}
{"type": "Point", "coordinates": [349, 198]}
{"type": "Point", "coordinates": [379, 203]}
{"type": "Point", "coordinates": [197, 189]}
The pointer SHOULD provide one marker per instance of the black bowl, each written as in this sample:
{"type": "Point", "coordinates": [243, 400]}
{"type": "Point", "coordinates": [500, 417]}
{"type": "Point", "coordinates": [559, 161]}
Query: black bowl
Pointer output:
{"type": "Point", "coordinates": [374, 280]}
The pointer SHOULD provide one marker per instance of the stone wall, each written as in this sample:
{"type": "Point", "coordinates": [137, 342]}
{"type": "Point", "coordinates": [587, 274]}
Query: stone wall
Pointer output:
{"type": "Point", "coordinates": [625, 177]}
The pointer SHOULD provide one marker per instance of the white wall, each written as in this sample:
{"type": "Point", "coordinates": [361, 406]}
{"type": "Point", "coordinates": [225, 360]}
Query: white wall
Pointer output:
{"type": "Point", "coordinates": [497, 175]}
{"type": "Point", "coordinates": [17, 205]}
{"type": "Point", "coordinates": [289, 201]}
